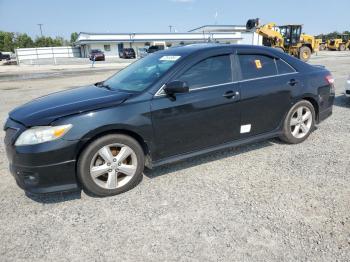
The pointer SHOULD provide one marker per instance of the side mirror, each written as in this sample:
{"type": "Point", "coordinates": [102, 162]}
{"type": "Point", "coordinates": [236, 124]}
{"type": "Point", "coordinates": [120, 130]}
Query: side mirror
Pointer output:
{"type": "Point", "coordinates": [176, 87]}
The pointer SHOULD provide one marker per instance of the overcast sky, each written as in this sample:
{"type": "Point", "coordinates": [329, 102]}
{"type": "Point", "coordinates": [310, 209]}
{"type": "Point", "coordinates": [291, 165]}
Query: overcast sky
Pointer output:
{"type": "Point", "coordinates": [61, 17]}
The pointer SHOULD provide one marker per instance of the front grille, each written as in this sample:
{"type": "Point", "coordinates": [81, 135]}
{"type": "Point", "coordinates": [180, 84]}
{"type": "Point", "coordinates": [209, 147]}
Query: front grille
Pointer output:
{"type": "Point", "coordinates": [9, 135]}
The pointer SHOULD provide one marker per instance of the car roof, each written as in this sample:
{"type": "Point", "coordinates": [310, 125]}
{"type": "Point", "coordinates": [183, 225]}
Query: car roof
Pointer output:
{"type": "Point", "coordinates": [189, 49]}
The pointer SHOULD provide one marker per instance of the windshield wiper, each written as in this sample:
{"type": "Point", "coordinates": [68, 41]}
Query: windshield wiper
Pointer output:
{"type": "Point", "coordinates": [101, 84]}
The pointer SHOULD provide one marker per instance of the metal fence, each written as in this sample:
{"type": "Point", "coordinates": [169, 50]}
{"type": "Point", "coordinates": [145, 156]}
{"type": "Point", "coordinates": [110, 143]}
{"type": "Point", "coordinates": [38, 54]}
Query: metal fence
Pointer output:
{"type": "Point", "coordinates": [31, 55]}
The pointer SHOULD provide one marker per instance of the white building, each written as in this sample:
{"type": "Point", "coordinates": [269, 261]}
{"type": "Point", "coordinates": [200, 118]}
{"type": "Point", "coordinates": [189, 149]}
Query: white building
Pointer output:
{"type": "Point", "coordinates": [111, 43]}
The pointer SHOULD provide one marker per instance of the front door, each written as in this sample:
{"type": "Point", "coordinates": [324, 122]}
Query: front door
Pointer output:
{"type": "Point", "coordinates": [206, 116]}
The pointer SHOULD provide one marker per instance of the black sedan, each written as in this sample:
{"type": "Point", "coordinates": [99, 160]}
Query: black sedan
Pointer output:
{"type": "Point", "coordinates": [127, 53]}
{"type": "Point", "coordinates": [169, 106]}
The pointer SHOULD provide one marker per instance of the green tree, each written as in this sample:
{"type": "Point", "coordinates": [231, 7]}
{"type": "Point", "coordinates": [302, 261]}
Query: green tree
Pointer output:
{"type": "Point", "coordinates": [23, 41]}
{"type": "Point", "coordinates": [73, 37]}
{"type": "Point", "coordinates": [6, 41]}
{"type": "Point", "coordinates": [57, 41]}
{"type": "Point", "coordinates": [41, 41]}
{"type": "Point", "coordinates": [49, 41]}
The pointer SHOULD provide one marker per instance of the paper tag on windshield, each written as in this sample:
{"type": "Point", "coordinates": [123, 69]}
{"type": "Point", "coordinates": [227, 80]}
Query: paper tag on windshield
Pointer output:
{"type": "Point", "coordinates": [258, 64]}
{"type": "Point", "coordinates": [169, 58]}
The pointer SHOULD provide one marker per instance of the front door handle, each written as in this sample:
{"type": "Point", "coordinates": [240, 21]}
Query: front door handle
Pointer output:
{"type": "Point", "coordinates": [230, 94]}
{"type": "Point", "coordinates": [293, 82]}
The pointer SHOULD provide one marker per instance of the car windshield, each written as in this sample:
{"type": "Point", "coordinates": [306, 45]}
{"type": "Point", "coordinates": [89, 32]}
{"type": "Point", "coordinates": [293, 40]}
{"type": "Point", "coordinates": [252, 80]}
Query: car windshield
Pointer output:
{"type": "Point", "coordinates": [95, 51]}
{"type": "Point", "coordinates": [141, 74]}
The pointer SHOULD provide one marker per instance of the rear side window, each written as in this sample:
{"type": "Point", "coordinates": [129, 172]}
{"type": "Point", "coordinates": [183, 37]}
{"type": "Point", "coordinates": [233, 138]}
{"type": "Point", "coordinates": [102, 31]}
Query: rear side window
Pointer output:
{"type": "Point", "coordinates": [283, 67]}
{"type": "Point", "coordinates": [256, 66]}
{"type": "Point", "coordinates": [211, 71]}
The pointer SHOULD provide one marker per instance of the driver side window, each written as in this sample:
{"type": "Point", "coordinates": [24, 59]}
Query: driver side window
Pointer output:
{"type": "Point", "coordinates": [211, 71]}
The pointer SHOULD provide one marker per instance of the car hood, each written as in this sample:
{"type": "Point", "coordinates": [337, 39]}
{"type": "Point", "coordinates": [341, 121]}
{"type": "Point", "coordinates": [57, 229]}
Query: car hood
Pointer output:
{"type": "Point", "coordinates": [44, 110]}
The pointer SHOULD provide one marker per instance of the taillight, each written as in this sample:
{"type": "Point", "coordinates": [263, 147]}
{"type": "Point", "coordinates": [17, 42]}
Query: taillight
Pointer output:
{"type": "Point", "coordinates": [330, 79]}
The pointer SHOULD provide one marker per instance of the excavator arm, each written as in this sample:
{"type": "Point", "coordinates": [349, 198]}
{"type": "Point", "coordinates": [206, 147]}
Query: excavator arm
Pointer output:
{"type": "Point", "coordinates": [267, 31]}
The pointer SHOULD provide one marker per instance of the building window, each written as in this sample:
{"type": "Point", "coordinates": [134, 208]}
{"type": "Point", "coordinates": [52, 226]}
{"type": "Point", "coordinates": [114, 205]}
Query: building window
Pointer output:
{"type": "Point", "coordinates": [107, 47]}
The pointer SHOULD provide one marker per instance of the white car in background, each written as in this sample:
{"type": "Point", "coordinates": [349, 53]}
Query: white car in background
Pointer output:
{"type": "Point", "coordinates": [347, 87]}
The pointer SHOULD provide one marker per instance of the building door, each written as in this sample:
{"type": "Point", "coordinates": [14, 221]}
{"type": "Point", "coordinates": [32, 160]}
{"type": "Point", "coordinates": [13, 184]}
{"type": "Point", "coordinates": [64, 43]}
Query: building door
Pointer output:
{"type": "Point", "coordinates": [120, 48]}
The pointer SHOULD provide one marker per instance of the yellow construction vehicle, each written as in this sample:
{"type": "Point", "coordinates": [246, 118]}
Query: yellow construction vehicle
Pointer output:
{"type": "Point", "coordinates": [321, 43]}
{"type": "Point", "coordinates": [287, 38]}
{"type": "Point", "coordinates": [341, 43]}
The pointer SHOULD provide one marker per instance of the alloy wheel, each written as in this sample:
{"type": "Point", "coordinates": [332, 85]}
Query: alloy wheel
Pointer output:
{"type": "Point", "coordinates": [113, 166]}
{"type": "Point", "coordinates": [301, 122]}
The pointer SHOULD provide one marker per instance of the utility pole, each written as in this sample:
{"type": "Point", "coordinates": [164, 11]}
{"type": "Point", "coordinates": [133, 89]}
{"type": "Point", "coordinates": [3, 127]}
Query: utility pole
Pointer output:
{"type": "Point", "coordinates": [41, 30]}
{"type": "Point", "coordinates": [170, 28]}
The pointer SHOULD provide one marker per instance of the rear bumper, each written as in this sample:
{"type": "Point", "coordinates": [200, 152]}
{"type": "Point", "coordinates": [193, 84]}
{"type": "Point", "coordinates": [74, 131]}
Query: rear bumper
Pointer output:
{"type": "Point", "coordinates": [325, 114]}
{"type": "Point", "coordinates": [326, 103]}
{"type": "Point", "coordinates": [347, 89]}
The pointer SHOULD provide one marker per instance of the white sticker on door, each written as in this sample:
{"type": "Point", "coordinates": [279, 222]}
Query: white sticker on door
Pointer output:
{"type": "Point", "coordinates": [246, 128]}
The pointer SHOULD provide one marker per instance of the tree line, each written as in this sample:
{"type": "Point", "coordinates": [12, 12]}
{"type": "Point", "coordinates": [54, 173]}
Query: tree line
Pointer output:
{"type": "Point", "coordinates": [10, 41]}
{"type": "Point", "coordinates": [332, 35]}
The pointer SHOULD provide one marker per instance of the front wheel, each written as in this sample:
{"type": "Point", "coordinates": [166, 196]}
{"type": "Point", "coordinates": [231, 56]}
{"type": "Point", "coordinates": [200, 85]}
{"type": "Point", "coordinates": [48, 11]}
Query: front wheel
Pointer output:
{"type": "Point", "coordinates": [342, 47]}
{"type": "Point", "coordinates": [299, 123]}
{"type": "Point", "coordinates": [304, 53]}
{"type": "Point", "coordinates": [111, 165]}
{"type": "Point", "coordinates": [322, 47]}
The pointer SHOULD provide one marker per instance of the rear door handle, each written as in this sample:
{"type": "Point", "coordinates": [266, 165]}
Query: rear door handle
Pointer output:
{"type": "Point", "coordinates": [230, 94]}
{"type": "Point", "coordinates": [293, 82]}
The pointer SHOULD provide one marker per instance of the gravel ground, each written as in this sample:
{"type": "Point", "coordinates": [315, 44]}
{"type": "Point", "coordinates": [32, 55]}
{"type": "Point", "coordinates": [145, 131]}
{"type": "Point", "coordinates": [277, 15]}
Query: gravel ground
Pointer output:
{"type": "Point", "coordinates": [264, 202]}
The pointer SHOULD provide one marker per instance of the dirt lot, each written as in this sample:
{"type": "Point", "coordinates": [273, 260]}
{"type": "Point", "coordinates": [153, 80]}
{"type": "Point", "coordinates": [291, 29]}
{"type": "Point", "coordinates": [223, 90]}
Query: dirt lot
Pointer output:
{"type": "Point", "coordinates": [263, 202]}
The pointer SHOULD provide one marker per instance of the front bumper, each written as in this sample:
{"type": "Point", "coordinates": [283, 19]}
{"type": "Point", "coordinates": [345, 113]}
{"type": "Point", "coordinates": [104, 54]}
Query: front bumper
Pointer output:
{"type": "Point", "coordinates": [347, 88]}
{"type": "Point", "coordinates": [42, 168]}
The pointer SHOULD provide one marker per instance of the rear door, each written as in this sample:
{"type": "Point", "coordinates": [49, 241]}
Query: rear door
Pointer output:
{"type": "Point", "coordinates": [266, 87]}
{"type": "Point", "coordinates": [206, 116]}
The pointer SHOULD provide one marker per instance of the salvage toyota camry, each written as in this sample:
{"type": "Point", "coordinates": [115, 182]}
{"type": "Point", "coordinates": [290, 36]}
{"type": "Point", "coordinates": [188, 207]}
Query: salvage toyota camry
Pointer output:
{"type": "Point", "coordinates": [166, 107]}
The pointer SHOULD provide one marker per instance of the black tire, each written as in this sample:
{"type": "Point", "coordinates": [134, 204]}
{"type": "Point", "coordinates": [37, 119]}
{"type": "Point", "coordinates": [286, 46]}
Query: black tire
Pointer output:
{"type": "Point", "coordinates": [287, 135]}
{"type": "Point", "coordinates": [342, 47]}
{"type": "Point", "coordinates": [304, 53]}
{"type": "Point", "coordinates": [84, 161]}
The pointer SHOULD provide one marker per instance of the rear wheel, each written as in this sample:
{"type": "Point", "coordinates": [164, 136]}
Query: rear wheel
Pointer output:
{"type": "Point", "coordinates": [342, 47]}
{"type": "Point", "coordinates": [304, 53]}
{"type": "Point", "coordinates": [111, 165]}
{"type": "Point", "coordinates": [322, 47]}
{"type": "Point", "coordinates": [299, 123]}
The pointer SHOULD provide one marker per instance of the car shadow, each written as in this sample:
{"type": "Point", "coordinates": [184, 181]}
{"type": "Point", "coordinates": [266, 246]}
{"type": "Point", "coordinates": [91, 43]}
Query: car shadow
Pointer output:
{"type": "Point", "coordinates": [54, 198]}
{"type": "Point", "coordinates": [207, 158]}
{"type": "Point", "coordinates": [342, 101]}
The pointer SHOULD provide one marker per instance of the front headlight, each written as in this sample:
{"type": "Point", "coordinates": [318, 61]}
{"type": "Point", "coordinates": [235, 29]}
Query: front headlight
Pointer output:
{"type": "Point", "coordinates": [41, 134]}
